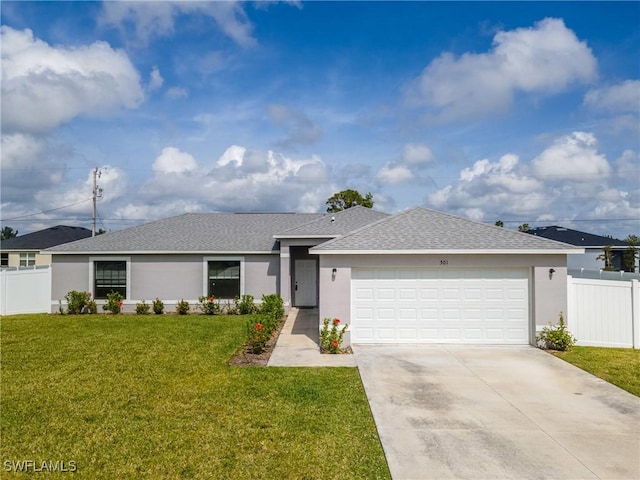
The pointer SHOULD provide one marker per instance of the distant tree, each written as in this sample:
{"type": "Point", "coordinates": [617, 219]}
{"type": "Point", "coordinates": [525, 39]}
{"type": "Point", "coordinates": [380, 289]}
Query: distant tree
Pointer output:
{"type": "Point", "coordinates": [7, 232]}
{"type": "Point", "coordinates": [631, 253]}
{"type": "Point", "coordinates": [499, 223]}
{"type": "Point", "coordinates": [607, 257]}
{"type": "Point", "coordinates": [524, 227]}
{"type": "Point", "coordinates": [347, 199]}
{"type": "Point", "coordinates": [101, 231]}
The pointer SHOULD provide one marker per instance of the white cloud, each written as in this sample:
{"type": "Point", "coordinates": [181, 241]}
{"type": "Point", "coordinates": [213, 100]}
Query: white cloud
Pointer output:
{"type": "Point", "coordinates": [542, 59]}
{"type": "Point", "coordinates": [415, 153]}
{"type": "Point", "coordinates": [490, 187]}
{"type": "Point", "coordinates": [44, 86]}
{"type": "Point", "coordinates": [156, 80]}
{"type": "Point", "coordinates": [114, 184]}
{"type": "Point", "coordinates": [149, 20]}
{"type": "Point", "coordinates": [620, 98]}
{"type": "Point", "coordinates": [21, 150]}
{"type": "Point", "coordinates": [572, 157]}
{"type": "Point", "coordinates": [243, 180]}
{"type": "Point", "coordinates": [176, 93]}
{"type": "Point", "coordinates": [546, 190]}
{"type": "Point", "coordinates": [234, 153]}
{"type": "Point", "coordinates": [394, 174]}
{"type": "Point", "coordinates": [172, 160]}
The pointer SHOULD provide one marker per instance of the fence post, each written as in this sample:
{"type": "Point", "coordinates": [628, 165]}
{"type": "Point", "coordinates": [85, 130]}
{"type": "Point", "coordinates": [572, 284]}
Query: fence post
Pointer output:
{"type": "Point", "coordinates": [3, 292]}
{"type": "Point", "coordinates": [571, 323]}
{"type": "Point", "coordinates": [635, 312]}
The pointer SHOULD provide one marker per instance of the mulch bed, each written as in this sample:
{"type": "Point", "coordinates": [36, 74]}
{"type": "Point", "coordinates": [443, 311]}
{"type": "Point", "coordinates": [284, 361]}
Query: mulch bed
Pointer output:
{"type": "Point", "coordinates": [245, 358]}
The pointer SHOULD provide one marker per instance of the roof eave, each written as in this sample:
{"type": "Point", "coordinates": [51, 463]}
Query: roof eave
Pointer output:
{"type": "Point", "coordinates": [164, 252]}
{"type": "Point", "coordinates": [279, 237]}
{"type": "Point", "coordinates": [528, 251]}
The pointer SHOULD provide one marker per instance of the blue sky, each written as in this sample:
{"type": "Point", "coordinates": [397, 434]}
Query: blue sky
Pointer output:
{"type": "Point", "coordinates": [525, 112]}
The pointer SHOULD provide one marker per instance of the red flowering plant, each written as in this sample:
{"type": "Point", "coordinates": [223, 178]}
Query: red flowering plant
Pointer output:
{"type": "Point", "coordinates": [258, 334]}
{"type": "Point", "coordinates": [114, 303]}
{"type": "Point", "coordinates": [331, 337]}
{"type": "Point", "coordinates": [209, 305]}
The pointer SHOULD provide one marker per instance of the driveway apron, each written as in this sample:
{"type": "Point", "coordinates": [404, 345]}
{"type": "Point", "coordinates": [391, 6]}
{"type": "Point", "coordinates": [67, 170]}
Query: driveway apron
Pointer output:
{"type": "Point", "coordinates": [476, 412]}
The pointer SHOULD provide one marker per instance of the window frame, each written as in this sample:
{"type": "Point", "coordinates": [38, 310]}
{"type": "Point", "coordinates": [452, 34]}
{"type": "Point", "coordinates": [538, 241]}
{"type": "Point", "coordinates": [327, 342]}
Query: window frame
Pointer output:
{"type": "Point", "coordinates": [27, 256]}
{"type": "Point", "coordinates": [92, 273]}
{"type": "Point", "coordinates": [205, 272]}
{"type": "Point", "coordinates": [4, 259]}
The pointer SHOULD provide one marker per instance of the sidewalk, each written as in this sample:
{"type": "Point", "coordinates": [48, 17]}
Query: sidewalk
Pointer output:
{"type": "Point", "coordinates": [297, 344]}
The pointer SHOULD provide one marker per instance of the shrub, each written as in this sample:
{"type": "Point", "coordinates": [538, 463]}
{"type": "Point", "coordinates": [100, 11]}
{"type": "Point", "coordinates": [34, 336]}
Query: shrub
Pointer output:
{"type": "Point", "coordinates": [158, 306]}
{"type": "Point", "coordinates": [331, 338]}
{"type": "Point", "coordinates": [143, 308]}
{"type": "Point", "coordinates": [77, 302]}
{"type": "Point", "coordinates": [114, 303]}
{"type": "Point", "coordinates": [209, 305]}
{"type": "Point", "coordinates": [259, 333]}
{"type": "Point", "coordinates": [182, 307]}
{"type": "Point", "coordinates": [245, 305]}
{"type": "Point", "coordinates": [272, 305]}
{"type": "Point", "coordinates": [91, 307]}
{"type": "Point", "coordinates": [556, 337]}
{"type": "Point", "coordinates": [231, 308]}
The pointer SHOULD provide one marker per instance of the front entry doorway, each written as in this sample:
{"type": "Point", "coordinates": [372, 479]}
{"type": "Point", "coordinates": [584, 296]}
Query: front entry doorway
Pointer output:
{"type": "Point", "coordinates": [305, 282]}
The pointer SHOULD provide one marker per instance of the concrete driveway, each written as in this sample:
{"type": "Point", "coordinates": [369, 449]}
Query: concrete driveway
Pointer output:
{"type": "Point", "coordinates": [497, 413]}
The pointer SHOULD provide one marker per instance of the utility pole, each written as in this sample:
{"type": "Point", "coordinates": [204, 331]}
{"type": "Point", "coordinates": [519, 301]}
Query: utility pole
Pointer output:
{"type": "Point", "coordinates": [97, 193]}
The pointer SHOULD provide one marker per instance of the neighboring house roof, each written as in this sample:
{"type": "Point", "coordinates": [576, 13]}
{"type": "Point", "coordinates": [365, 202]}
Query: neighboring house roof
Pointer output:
{"type": "Point", "coordinates": [46, 238]}
{"type": "Point", "coordinates": [333, 225]}
{"type": "Point", "coordinates": [575, 237]}
{"type": "Point", "coordinates": [420, 230]}
{"type": "Point", "coordinates": [195, 232]}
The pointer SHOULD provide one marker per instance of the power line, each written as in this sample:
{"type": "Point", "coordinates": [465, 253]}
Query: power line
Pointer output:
{"type": "Point", "coordinates": [43, 211]}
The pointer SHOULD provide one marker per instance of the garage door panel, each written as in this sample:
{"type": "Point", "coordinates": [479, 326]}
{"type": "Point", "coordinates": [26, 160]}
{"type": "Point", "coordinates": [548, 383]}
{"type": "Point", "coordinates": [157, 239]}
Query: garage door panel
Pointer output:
{"type": "Point", "coordinates": [386, 333]}
{"type": "Point", "coordinates": [385, 294]}
{"type": "Point", "coordinates": [413, 305]}
{"type": "Point", "coordinates": [386, 313]}
{"type": "Point", "coordinates": [364, 293]}
{"type": "Point", "coordinates": [407, 293]}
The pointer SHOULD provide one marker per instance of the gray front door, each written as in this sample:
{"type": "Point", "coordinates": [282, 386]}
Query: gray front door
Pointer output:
{"type": "Point", "coordinates": [305, 283]}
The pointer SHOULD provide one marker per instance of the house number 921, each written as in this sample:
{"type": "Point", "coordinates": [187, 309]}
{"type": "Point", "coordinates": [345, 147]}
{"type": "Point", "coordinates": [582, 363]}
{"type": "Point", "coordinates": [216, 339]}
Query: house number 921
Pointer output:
{"type": "Point", "coordinates": [444, 262]}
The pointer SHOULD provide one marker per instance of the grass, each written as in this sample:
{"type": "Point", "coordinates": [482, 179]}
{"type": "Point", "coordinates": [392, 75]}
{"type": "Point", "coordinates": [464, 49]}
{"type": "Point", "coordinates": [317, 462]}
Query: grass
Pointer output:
{"type": "Point", "coordinates": [619, 366]}
{"type": "Point", "coordinates": [153, 397]}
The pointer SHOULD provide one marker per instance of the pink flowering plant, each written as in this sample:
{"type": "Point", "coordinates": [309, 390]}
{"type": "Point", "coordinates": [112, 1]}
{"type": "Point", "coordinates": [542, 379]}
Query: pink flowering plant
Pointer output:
{"type": "Point", "coordinates": [209, 305]}
{"type": "Point", "coordinates": [331, 335]}
{"type": "Point", "coordinates": [114, 303]}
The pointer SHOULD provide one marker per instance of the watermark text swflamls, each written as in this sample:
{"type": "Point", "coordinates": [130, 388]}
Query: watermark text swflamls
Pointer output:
{"type": "Point", "coordinates": [36, 466]}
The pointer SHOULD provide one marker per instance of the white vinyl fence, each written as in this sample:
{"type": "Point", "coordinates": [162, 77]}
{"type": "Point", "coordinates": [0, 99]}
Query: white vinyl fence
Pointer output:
{"type": "Point", "coordinates": [604, 313]}
{"type": "Point", "coordinates": [25, 290]}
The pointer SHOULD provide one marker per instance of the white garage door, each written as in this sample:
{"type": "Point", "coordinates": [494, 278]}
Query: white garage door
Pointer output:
{"type": "Point", "coordinates": [440, 305]}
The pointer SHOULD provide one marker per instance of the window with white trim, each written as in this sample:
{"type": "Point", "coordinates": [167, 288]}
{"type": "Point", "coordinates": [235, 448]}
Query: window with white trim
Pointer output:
{"type": "Point", "coordinates": [4, 260]}
{"type": "Point", "coordinates": [109, 276]}
{"type": "Point", "coordinates": [27, 259]}
{"type": "Point", "coordinates": [223, 278]}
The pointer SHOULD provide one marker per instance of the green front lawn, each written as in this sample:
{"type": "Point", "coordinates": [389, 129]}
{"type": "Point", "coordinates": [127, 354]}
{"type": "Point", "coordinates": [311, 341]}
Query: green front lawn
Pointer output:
{"type": "Point", "coordinates": [152, 397]}
{"type": "Point", "coordinates": [620, 366]}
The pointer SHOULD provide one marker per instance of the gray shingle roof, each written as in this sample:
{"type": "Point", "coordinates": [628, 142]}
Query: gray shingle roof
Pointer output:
{"type": "Point", "coordinates": [46, 238]}
{"type": "Point", "coordinates": [335, 224]}
{"type": "Point", "coordinates": [195, 232]}
{"type": "Point", "coordinates": [421, 229]}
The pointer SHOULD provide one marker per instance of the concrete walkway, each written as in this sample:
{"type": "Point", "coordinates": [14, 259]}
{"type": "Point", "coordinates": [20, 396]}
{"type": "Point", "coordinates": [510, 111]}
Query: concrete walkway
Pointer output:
{"type": "Point", "coordinates": [297, 344]}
